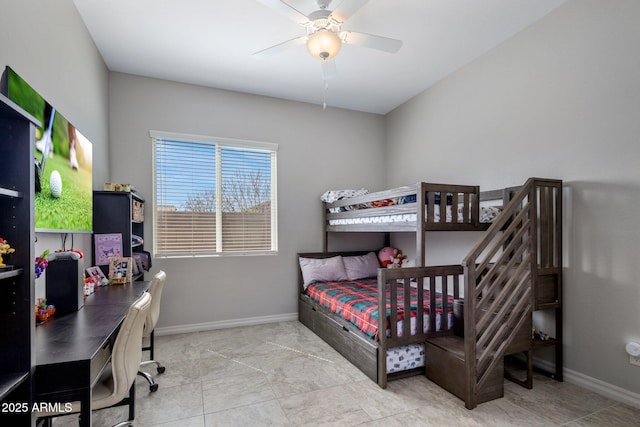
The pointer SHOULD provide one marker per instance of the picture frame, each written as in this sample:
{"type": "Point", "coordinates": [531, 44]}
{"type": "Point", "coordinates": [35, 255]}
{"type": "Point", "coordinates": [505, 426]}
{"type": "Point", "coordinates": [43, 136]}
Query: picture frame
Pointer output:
{"type": "Point", "coordinates": [138, 263]}
{"type": "Point", "coordinates": [97, 275]}
{"type": "Point", "coordinates": [119, 270]}
{"type": "Point", "coordinates": [143, 259]}
{"type": "Point", "coordinates": [107, 246]}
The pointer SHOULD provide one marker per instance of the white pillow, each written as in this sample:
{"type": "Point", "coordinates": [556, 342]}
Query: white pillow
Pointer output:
{"type": "Point", "coordinates": [359, 267]}
{"type": "Point", "coordinates": [322, 269]}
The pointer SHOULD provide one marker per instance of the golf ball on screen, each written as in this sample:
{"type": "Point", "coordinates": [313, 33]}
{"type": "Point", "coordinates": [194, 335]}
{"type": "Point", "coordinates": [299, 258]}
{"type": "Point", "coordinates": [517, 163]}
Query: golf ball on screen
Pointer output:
{"type": "Point", "coordinates": [55, 183]}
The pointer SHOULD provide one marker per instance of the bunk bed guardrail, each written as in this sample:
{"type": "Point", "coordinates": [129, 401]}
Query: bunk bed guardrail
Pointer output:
{"type": "Point", "coordinates": [443, 280]}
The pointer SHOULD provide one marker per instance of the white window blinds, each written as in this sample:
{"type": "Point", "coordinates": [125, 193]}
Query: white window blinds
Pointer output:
{"type": "Point", "coordinates": [213, 196]}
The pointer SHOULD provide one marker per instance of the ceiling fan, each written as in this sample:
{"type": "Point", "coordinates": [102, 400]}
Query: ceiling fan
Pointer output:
{"type": "Point", "coordinates": [324, 35]}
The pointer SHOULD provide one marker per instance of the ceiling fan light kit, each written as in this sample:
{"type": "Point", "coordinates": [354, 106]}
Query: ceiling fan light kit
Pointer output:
{"type": "Point", "coordinates": [324, 29]}
{"type": "Point", "coordinates": [324, 44]}
{"type": "Point", "coordinates": [324, 34]}
{"type": "Point", "coordinates": [323, 41]}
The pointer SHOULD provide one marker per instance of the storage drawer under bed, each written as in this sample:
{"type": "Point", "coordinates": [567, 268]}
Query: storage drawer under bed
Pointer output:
{"type": "Point", "coordinates": [359, 350]}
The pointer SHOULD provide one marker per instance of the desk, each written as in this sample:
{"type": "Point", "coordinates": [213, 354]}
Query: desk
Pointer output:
{"type": "Point", "coordinates": [72, 350]}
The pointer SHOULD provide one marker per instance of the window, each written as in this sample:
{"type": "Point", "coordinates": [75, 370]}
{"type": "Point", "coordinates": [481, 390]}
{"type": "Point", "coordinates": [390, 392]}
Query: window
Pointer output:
{"type": "Point", "coordinates": [213, 196]}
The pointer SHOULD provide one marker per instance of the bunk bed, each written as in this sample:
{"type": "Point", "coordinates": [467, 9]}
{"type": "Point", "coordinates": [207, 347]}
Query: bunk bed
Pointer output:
{"type": "Point", "coordinates": [530, 214]}
{"type": "Point", "coordinates": [416, 208]}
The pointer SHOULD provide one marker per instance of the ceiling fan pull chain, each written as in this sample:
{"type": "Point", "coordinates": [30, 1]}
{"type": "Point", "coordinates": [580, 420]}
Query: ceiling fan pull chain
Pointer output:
{"type": "Point", "coordinates": [324, 95]}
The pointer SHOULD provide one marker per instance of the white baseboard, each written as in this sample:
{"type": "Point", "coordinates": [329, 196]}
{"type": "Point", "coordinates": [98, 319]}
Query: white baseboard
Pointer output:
{"type": "Point", "coordinates": [224, 324]}
{"type": "Point", "coordinates": [605, 389]}
{"type": "Point", "coordinates": [597, 386]}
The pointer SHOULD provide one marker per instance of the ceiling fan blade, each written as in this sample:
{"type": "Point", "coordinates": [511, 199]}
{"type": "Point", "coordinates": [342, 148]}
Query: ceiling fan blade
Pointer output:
{"type": "Point", "coordinates": [280, 47]}
{"type": "Point", "coordinates": [286, 9]}
{"type": "Point", "coordinates": [347, 8]}
{"type": "Point", "coordinates": [328, 69]}
{"type": "Point", "coordinates": [385, 44]}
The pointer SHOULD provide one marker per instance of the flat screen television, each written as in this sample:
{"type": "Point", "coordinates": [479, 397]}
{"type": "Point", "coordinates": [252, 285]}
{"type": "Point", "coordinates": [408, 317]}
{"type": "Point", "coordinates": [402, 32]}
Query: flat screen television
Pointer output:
{"type": "Point", "coordinates": [63, 163]}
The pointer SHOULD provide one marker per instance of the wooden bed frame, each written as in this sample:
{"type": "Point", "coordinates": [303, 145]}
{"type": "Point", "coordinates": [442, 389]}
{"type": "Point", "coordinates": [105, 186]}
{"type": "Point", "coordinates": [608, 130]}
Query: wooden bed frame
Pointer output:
{"type": "Point", "coordinates": [367, 354]}
{"type": "Point", "coordinates": [526, 240]}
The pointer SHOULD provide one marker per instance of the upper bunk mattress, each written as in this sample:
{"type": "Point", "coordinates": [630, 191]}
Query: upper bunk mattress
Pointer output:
{"type": "Point", "coordinates": [487, 215]}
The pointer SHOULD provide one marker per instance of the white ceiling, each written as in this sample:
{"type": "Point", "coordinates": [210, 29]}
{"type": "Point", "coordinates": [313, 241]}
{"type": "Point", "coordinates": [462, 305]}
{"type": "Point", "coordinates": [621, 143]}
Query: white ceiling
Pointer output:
{"type": "Point", "coordinates": [211, 43]}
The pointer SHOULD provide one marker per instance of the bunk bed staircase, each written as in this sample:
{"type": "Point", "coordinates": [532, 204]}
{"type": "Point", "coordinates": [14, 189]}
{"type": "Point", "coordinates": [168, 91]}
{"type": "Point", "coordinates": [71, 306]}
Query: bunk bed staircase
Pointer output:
{"type": "Point", "coordinates": [521, 249]}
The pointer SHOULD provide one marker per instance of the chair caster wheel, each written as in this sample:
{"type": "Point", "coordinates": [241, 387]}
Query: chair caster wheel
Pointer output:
{"type": "Point", "coordinates": [153, 387]}
{"type": "Point", "coordinates": [161, 369]}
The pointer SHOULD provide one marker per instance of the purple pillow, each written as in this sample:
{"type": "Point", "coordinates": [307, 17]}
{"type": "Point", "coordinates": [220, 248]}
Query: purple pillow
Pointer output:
{"type": "Point", "coordinates": [359, 267]}
{"type": "Point", "coordinates": [322, 269]}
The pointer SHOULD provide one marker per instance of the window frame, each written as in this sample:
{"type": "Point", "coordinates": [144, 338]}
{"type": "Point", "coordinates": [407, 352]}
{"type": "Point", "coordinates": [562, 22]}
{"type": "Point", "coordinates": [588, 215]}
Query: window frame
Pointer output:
{"type": "Point", "coordinates": [218, 142]}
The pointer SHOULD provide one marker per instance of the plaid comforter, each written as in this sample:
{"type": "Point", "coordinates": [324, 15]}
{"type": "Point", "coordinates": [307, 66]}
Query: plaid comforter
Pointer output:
{"type": "Point", "coordinates": [357, 302]}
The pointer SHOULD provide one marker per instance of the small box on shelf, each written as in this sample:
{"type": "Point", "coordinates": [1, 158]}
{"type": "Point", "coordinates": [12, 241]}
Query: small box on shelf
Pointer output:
{"type": "Point", "coordinates": [137, 210]}
{"type": "Point", "coordinates": [113, 186]}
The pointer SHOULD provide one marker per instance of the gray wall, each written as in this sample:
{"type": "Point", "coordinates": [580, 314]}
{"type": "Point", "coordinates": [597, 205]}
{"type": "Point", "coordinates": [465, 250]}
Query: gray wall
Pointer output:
{"type": "Point", "coordinates": [560, 100]}
{"type": "Point", "coordinates": [318, 150]}
{"type": "Point", "coordinates": [48, 45]}
{"type": "Point", "coordinates": [568, 84]}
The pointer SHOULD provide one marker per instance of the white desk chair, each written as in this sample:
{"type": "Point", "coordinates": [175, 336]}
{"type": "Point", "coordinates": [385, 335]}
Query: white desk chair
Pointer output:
{"type": "Point", "coordinates": [116, 385]}
{"type": "Point", "coordinates": [155, 289]}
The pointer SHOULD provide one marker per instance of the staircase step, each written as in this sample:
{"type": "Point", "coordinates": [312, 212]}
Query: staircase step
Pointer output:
{"type": "Point", "coordinates": [450, 343]}
{"type": "Point", "coordinates": [445, 366]}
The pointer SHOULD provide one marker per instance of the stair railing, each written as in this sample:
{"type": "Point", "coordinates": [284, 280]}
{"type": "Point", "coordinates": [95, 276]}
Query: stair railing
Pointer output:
{"type": "Point", "coordinates": [499, 280]}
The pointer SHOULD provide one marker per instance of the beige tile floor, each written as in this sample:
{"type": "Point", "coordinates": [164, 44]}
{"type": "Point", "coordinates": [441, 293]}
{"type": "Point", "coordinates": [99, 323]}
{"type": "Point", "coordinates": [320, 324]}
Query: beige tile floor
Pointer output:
{"type": "Point", "coordinates": [281, 374]}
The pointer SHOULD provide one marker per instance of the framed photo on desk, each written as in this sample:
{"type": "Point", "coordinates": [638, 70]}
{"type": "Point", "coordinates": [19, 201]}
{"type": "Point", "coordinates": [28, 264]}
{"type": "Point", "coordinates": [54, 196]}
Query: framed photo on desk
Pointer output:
{"type": "Point", "coordinates": [119, 270]}
{"type": "Point", "coordinates": [98, 277]}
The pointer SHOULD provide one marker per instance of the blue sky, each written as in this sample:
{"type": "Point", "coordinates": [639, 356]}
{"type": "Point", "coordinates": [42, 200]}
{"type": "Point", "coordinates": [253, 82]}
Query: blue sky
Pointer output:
{"type": "Point", "coordinates": [189, 168]}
